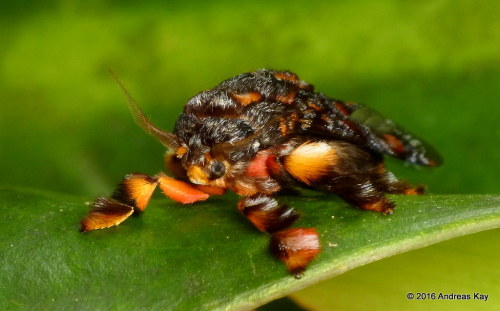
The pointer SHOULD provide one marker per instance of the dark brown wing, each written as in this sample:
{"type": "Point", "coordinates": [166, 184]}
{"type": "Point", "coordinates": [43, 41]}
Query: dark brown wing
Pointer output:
{"type": "Point", "coordinates": [402, 144]}
{"type": "Point", "coordinates": [365, 126]}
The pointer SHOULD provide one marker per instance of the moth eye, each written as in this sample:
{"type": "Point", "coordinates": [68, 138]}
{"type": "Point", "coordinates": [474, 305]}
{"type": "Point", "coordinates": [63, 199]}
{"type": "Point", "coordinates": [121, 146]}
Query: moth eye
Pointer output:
{"type": "Point", "coordinates": [217, 170]}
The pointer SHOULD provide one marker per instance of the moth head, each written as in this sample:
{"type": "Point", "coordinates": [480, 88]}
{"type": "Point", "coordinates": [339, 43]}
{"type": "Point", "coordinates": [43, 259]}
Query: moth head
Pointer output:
{"type": "Point", "coordinates": [202, 169]}
{"type": "Point", "coordinates": [205, 175]}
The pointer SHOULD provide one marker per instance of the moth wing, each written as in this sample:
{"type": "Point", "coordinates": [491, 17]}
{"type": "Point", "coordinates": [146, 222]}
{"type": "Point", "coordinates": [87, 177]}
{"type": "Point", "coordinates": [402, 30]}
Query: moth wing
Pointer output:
{"type": "Point", "coordinates": [366, 127]}
{"type": "Point", "coordinates": [393, 139]}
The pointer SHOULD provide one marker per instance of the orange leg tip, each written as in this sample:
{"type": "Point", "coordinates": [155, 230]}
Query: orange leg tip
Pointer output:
{"type": "Point", "coordinates": [417, 190]}
{"type": "Point", "coordinates": [136, 190]}
{"type": "Point", "coordinates": [383, 206]}
{"type": "Point", "coordinates": [296, 248]}
{"type": "Point", "coordinates": [211, 190]}
{"type": "Point", "coordinates": [180, 191]}
{"type": "Point", "coordinates": [105, 213]}
{"type": "Point", "coordinates": [388, 211]}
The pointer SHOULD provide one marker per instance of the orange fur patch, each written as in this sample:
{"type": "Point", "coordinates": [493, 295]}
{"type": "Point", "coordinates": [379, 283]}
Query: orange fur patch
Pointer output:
{"type": "Point", "coordinates": [140, 189]}
{"type": "Point", "coordinates": [181, 151]}
{"type": "Point", "coordinates": [288, 124]}
{"type": "Point", "coordinates": [180, 191]}
{"type": "Point", "coordinates": [197, 175]}
{"type": "Point", "coordinates": [105, 213]}
{"type": "Point", "coordinates": [283, 127]}
{"type": "Point", "coordinates": [287, 76]}
{"type": "Point", "coordinates": [314, 106]}
{"type": "Point", "coordinates": [248, 98]}
{"type": "Point", "coordinates": [288, 98]}
{"type": "Point", "coordinates": [310, 161]}
{"type": "Point", "coordinates": [292, 78]}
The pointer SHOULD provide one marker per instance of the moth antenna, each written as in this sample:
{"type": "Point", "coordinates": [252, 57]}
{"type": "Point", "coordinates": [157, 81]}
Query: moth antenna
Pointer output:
{"type": "Point", "coordinates": [169, 140]}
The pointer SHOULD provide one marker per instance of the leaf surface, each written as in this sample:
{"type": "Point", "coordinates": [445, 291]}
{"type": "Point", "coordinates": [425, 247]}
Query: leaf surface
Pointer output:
{"type": "Point", "coordinates": [205, 256]}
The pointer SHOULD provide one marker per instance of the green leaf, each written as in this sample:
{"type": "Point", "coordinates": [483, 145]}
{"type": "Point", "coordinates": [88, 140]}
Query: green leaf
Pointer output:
{"type": "Point", "coordinates": [461, 266]}
{"type": "Point", "coordinates": [205, 256]}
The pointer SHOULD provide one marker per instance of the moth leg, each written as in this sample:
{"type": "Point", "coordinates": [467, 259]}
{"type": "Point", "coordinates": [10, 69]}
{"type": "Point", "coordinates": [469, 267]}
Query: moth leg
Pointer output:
{"type": "Point", "coordinates": [295, 247]}
{"type": "Point", "coordinates": [359, 190]}
{"type": "Point", "coordinates": [387, 182]}
{"type": "Point", "coordinates": [105, 213]}
{"type": "Point", "coordinates": [266, 214]}
{"type": "Point", "coordinates": [180, 191]}
{"type": "Point", "coordinates": [342, 168]}
{"type": "Point", "coordinates": [133, 195]}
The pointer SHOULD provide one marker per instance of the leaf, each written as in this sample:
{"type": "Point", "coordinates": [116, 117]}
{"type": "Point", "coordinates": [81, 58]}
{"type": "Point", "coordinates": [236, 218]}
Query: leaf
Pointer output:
{"type": "Point", "coordinates": [462, 266]}
{"type": "Point", "coordinates": [205, 256]}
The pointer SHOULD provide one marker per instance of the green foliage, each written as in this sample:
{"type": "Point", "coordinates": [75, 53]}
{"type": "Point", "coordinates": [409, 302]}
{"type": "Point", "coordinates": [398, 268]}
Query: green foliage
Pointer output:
{"type": "Point", "coordinates": [204, 257]}
{"type": "Point", "coordinates": [432, 66]}
{"type": "Point", "coordinates": [462, 266]}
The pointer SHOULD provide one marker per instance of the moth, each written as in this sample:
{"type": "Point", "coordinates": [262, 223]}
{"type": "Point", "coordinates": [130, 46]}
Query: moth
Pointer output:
{"type": "Point", "coordinates": [262, 133]}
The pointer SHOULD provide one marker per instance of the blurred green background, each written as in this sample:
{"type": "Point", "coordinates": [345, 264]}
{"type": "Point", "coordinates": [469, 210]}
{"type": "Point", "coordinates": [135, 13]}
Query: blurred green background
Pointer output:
{"type": "Point", "coordinates": [433, 66]}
